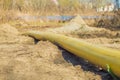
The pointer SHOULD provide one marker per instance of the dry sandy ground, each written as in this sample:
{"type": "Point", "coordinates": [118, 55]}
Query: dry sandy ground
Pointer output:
{"type": "Point", "coordinates": [21, 58]}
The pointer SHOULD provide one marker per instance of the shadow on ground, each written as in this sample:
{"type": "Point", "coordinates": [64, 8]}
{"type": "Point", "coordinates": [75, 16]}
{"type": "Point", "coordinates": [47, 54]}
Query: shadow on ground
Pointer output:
{"type": "Point", "coordinates": [85, 65]}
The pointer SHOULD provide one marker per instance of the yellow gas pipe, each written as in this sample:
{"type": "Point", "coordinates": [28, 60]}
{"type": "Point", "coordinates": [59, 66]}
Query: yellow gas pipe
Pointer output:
{"type": "Point", "coordinates": [97, 55]}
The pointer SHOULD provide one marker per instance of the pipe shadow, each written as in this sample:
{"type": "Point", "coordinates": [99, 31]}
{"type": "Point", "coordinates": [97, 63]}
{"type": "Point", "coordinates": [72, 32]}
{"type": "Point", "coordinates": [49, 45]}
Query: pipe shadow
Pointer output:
{"type": "Point", "coordinates": [85, 65]}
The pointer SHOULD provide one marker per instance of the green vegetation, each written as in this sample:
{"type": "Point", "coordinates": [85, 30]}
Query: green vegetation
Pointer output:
{"type": "Point", "coordinates": [111, 73]}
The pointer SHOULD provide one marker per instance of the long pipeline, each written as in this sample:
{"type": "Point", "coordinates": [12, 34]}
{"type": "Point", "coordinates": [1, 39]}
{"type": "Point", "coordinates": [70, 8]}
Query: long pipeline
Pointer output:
{"type": "Point", "coordinates": [97, 55]}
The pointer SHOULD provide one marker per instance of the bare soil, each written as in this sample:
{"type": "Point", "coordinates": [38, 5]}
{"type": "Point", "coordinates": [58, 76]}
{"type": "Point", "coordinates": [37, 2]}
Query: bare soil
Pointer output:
{"type": "Point", "coordinates": [22, 58]}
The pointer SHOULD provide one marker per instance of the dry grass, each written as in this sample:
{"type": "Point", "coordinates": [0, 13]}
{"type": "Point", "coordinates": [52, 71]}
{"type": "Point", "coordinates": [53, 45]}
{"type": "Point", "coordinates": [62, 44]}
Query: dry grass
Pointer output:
{"type": "Point", "coordinates": [43, 6]}
{"type": "Point", "coordinates": [10, 8]}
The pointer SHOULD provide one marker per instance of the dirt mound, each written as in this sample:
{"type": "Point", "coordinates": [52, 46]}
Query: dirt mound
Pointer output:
{"type": "Point", "coordinates": [6, 28]}
{"type": "Point", "coordinates": [96, 32]}
{"type": "Point", "coordinates": [85, 31]}
{"type": "Point", "coordinates": [43, 61]}
{"type": "Point", "coordinates": [78, 20]}
{"type": "Point", "coordinates": [23, 59]}
{"type": "Point", "coordinates": [73, 25]}
{"type": "Point", "coordinates": [9, 34]}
